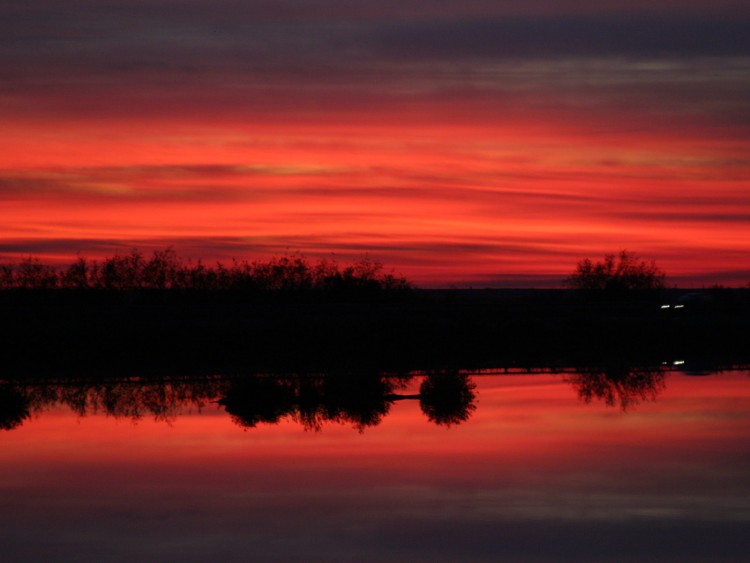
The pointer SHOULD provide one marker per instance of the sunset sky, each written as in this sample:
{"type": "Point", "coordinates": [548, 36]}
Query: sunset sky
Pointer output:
{"type": "Point", "coordinates": [483, 143]}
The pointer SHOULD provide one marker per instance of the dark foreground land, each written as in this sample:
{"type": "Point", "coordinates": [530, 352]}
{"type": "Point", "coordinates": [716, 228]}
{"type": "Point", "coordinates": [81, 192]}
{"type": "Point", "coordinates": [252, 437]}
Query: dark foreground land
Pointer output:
{"type": "Point", "coordinates": [68, 332]}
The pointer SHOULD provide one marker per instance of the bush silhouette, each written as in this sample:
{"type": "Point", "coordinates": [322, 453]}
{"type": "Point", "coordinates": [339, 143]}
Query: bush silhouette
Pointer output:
{"type": "Point", "coordinates": [624, 271]}
{"type": "Point", "coordinates": [164, 269]}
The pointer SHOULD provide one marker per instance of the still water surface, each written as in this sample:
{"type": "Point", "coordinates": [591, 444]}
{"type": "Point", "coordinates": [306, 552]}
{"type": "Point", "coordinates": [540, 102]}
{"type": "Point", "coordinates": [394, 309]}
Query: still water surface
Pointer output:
{"type": "Point", "coordinates": [545, 467]}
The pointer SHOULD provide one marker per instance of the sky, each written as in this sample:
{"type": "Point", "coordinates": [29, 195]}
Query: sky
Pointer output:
{"type": "Point", "coordinates": [470, 143]}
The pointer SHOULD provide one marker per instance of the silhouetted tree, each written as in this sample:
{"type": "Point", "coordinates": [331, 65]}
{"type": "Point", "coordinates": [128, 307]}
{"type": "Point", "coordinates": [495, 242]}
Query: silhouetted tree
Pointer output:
{"type": "Point", "coordinates": [7, 277]}
{"type": "Point", "coordinates": [121, 271]}
{"type": "Point", "coordinates": [447, 398]}
{"type": "Point", "coordinates": [162, 270]}
{"type": "Point", "coordinates": [624, 271]}
{"type": "Point", "coordinates": [76, 276]}
{"type": "Point", "coordinates": [32, 274]}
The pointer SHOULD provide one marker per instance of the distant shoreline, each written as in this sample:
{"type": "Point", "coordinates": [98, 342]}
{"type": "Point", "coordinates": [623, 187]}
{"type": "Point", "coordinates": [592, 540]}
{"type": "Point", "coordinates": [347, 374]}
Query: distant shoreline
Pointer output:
{"type": "Point", "coordinates": [131, 332]}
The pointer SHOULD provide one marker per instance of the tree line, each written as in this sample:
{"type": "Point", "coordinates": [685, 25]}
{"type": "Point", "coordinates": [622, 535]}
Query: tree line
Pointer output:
{"type": "Point", "coordinates": [164, 269]}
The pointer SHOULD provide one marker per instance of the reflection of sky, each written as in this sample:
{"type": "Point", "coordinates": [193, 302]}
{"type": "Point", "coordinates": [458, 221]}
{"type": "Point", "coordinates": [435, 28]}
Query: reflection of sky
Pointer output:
{"type": "Point", "coordinates": [492, 142]}
{"type": "Point", "coordinates": [535, 474]}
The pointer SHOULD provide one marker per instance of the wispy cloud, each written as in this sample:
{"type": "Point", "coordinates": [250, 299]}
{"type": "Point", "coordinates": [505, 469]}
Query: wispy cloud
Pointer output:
{"type": "Point", "coordinates": [474, 140]}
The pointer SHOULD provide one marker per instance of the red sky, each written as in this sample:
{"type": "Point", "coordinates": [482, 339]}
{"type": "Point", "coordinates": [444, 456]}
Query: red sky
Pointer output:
{"type": "Point", "coordinates": [473, 144]}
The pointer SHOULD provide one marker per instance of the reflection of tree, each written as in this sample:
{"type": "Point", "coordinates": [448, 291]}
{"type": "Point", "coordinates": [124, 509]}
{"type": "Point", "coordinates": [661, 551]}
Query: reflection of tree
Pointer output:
{"type": "Point", "coordinates": [14, 408]}
{"type": "Point", "coordinates": [618, 386]}
{"type": "Point", "coordinates": [447, 398]}
{"type": "Point", "coordinates": [125, 398]}
{"type": "Point", "coordinates": [361, 400]}
{"type": "Point", "coordinates": [252, 400]}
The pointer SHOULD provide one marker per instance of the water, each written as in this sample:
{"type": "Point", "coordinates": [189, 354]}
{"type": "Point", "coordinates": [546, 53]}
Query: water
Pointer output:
{"type": "Point", "coordinates": [544, 467]}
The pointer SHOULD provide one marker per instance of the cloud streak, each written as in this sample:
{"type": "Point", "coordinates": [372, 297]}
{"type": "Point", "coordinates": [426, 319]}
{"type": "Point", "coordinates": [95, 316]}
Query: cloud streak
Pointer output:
{"type": "Point", "coordinates": [472, 142]}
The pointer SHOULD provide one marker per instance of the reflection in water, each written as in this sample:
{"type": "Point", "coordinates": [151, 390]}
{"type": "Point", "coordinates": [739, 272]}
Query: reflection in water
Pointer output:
{"type": "Point", "coordinates": [123, 398]}
{"type": "Point", "coordinates": [535, 475]}
{"type": "Point", "coordinates": [618, 385]}
{"type": "Point", "coordinates": [447, 399]}
{"type": "Point", "coordinates": [14, 408]}
{"type": "Point", "coordinates": [361, 400]}
{"type": "Point", "coordinates": [357, 400]}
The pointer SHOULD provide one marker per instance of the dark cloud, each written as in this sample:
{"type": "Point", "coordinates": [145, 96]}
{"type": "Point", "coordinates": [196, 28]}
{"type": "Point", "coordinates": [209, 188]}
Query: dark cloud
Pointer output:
{"type": "Point", "coordinates": [559, 37]}
{"type": "Point", "coordinates": [351, 246]}
{"type": "Point", "coordinates": [729, 277]}
{"type": "Point", "coordinates": [275, 62]}
{"type": "Point", "coordinates": [688, 214]}
{"type": "Point", "coordinates": [199, 37]}
{"type": "Point", "coordinates": [166, 183]}
{"type": "Point", "coordinates": [208, 248]}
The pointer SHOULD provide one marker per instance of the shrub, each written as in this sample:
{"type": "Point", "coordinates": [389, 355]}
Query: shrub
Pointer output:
{"type": "Point", "coordinates": [624, 271]}
{"type": "Point", "coordinates": [32, 274]}
{"type": "Point", "coordinates": [166, 270]}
